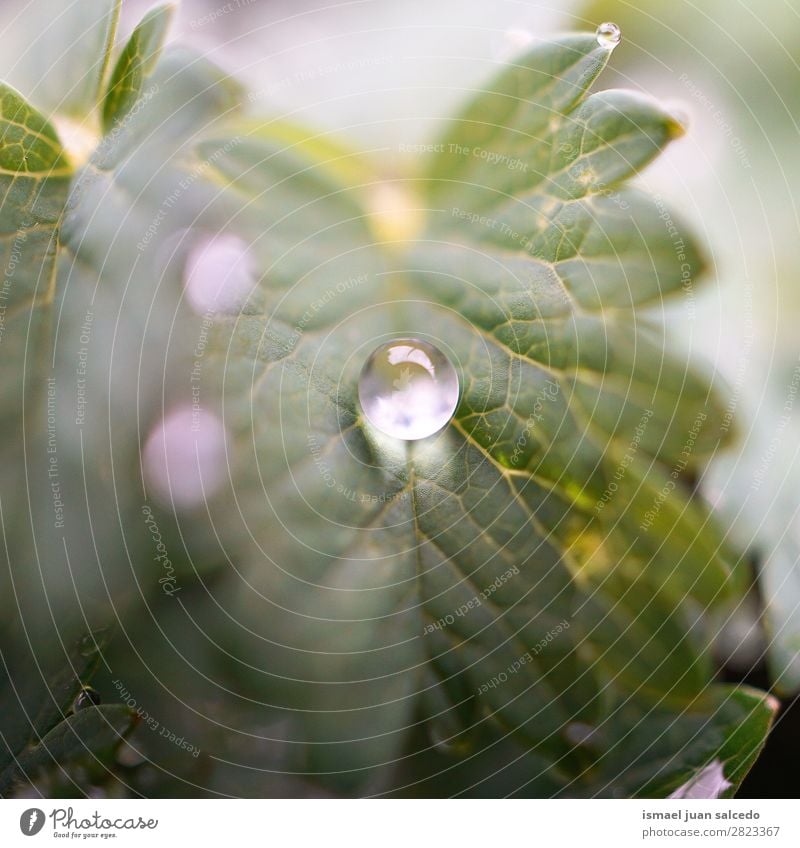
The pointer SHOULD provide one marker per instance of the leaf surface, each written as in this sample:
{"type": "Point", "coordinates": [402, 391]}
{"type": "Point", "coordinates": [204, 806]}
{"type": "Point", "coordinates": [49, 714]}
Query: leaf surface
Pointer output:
{"type": "Point", "coordinates": [137, 60]}
{"type": "Point", "coordinates": [508, 579]}
{"type": "Point", "coordinates": [368, 560]}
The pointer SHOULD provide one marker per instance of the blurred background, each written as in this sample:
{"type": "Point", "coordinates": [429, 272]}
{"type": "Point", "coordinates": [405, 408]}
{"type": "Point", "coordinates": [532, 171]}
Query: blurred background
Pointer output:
{"type": "Point", "coordinates": [380, 73]}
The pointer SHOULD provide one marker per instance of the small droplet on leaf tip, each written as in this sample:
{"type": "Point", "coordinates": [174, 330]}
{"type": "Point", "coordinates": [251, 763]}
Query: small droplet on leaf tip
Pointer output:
{"type": "Point", "coordinates": [608, 35]}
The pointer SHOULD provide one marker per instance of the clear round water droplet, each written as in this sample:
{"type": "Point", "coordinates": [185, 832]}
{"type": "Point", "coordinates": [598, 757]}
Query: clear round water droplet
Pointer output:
{"type": "Point", "coordinates": [608, 35]}
{"type": "Point", "coordinates": [408, 389]}
{"type": "Point", "coordinates": [87, 697]}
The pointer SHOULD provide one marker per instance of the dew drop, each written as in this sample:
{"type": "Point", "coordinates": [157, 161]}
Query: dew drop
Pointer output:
{"type": "Point", "coordinates": [608, 35]}
{"type": "Point", "coordinates": [408, 389]}
{"type": "Point", "coordinates": [87, 697]}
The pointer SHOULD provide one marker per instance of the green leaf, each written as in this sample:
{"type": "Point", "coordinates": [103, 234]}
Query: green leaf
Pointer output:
{"type": "Point", "coordinates": [116, 190]}
{"type": "Point", "coordinates": [752, 714]}
{"type": "Point", "coordinates": [641, 642]}
{"type": "Point", "coordinates": [357, 548]}
{"type": "Point", "coordinates": [726, 730]}
{"type": "Point", "coordinates": [136, 62]}
{"type": "Point", "coordinates": [30, 145]}
{"type": "Point", "coordinates": [88, 733]}
{"type": "Point", "coordinates": [34, 179]}
{"type": "Point", "coordinates": [380, 596]}
{"type": "Point", "coordinates": [36, 702]}
{"type": "Point", "coordinates": [512, 124]}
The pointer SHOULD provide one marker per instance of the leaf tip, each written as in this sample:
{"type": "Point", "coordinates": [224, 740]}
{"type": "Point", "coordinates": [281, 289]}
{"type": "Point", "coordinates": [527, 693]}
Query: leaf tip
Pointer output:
{"type": "Point", "coordinates": [677, 124]}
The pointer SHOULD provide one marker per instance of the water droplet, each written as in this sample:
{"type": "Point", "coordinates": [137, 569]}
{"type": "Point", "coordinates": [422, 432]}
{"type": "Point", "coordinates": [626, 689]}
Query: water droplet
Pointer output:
{"type": "Point", "coordinates": [87, 697]}
{"type": "Point", "coordinates": [408, 389]}
{"type": "Point", "coordinates": [184, 457]}
{"type": "Point", "coordinates": [219, 275]}
{"type": "Point", "coordinates": [608, 35]}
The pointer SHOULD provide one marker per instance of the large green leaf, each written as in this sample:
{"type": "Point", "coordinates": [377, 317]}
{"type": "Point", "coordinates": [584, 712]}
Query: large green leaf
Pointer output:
{"type": "Point", "coordinates": [34, 181]}
{"type": "Point", "coordinates": [64, 543]}
{"type": "Point", "coordinates": [501, 583]}
{"type": "Point", "coordinates": [351, 549]}
{"type": "Point", "coordinates": [721, 733]}
{"type": "Point", "coordinates": [91, 731]}
{"type": "Point", "coordinates": [73, 374]}
{"type": "Point", "coordinates": [134, 64]}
